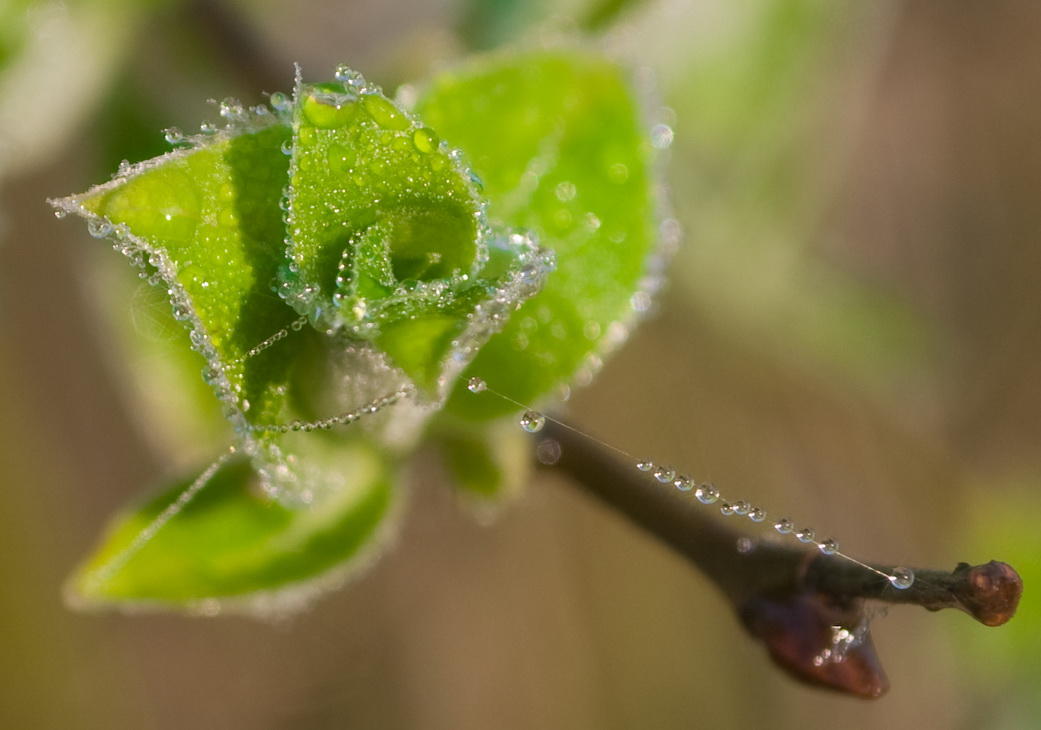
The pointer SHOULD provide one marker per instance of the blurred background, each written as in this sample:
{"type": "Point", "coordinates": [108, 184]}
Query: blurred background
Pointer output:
{"type": "Point", "coordinates": [850, 336]}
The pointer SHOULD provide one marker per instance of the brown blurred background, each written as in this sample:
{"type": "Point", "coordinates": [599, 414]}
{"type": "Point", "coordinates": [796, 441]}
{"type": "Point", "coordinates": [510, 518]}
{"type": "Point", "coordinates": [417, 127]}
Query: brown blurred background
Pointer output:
{"type": "Point", "coordinates": [851, 336]}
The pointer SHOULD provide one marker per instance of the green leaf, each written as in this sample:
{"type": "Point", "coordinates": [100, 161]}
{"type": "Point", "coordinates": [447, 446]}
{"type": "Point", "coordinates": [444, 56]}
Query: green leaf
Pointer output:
{"type": "Point", "coordinates": [558, 141]}
{"type": "Point", "coordinates": [232, 546]}
{"type": "Point", "coordinates": [387, 235]}
{"type": "Point", "coordinates": [332, 256]}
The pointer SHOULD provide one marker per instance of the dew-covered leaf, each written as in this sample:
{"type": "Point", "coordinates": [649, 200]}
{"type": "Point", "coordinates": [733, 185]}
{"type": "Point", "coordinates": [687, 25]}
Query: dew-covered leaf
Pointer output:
{"type": "Point", "coordinates": [558, 140]}
{"type": "Point", "coordinates": [205, 221]}
{"type": "Point", "coordinates": [229, 545]}
{"type": "Point", "coordinates": [387, 235]}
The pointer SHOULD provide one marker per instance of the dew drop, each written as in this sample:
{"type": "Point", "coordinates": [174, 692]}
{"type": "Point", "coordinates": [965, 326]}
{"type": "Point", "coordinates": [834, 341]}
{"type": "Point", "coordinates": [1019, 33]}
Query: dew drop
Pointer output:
{"type": "Point", "coordinates": [208, 128]}
{"type": "Point", "coordinates": [784, 526]}
{"type": "Point", "coordinates": [644, 465]}
{"type": "Point", "coordinates": [476, 385]}
{"type": "Point", "coordinates": [742, 508]}
{"type": "Point", "coordinates": [425, 140]}
{"type": "Point", "coordinates": [60, 213]}
{"type": "Point", "coordinates": [279, 101]}
{"type": "Point", "coordinates": [618, 173]}
{"type": "Point", "coordinates": [726, 509]}
{"type": "Point", "coordinates": [661, 136]}
{"type": "Point", "coordinates": [173, 135]}
{"type": "Point", "coordinates": [757, 514]}
{"type": "Point", "coordinates": [828, 546]}
{"type": "Point", "coordinates": [683, 483]}
{"type": "Point", "coordinates": [99, 227]}
{"type": "Point", "coordinates": [806, 535]}
{"type": "Point", "coordinates": [707, 494]}
{"type": "Point", "coordinates": [902, 578]}
{"type": "Point", "coordinates": [565, 191]}
{"type": "Point", "coordinates": [548, 451]}
{"type": "Point", "coordinates": [532, 421]}
{"type": "Point", "coordinates": [664, 474]}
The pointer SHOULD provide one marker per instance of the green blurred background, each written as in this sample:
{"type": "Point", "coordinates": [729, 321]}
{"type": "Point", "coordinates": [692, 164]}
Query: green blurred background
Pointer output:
{"type": "Point", "coordinates": [850, 336]}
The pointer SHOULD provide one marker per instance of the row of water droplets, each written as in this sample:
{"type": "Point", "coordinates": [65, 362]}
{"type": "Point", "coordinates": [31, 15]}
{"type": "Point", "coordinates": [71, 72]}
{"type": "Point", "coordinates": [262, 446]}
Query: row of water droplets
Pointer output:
{"type": "Point", "coordinates": [533, 421]}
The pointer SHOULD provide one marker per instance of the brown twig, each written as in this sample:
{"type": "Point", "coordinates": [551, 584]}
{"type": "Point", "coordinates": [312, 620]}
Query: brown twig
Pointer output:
{"type": "Point", "coordinates": [806, 607]}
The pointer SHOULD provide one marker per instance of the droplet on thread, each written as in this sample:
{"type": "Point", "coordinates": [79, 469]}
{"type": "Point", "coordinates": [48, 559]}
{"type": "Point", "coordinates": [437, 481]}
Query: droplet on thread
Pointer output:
{"type": "Point", "coordinates": [806, 535]}
{"type": "Point", "coordinates": [707, 494]}
{"type": "Point", "coordinates": [476, 385]}
{"type": "Point", "coordinates": [532, 421]}
{"type": "Point", "coordinates": [828, 546]}
{"type": "Point", "coordinates": [784, 526]}
{"type": "Point", "coordinates": [664, 474]}
{"type": "Point", "coordinates": [902, 578]}
{"type": "Point", "coordinates": [757, 514]}
{"type": "Point", "coordinates": [683, 483]}
{"type": "Point", "coordinates": [643, 465]}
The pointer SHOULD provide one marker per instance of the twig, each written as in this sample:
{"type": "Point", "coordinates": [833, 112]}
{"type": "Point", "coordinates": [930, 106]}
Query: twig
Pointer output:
{"type": "Point", "coordinates": [806, 607]}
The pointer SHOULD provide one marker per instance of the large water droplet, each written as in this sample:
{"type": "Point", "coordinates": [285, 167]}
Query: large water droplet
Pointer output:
{"type": "Point", "coordinates": [476, 385]}
{"type": "Point", "coordinates": [757, 514]}
{"type": "Point", "coordinates": [532, 421]}
{"type": "Point", "coordinates": [902, 578]}
{"type": "Point", "coordinates": [806, 535]}
{"type": "Point", "coordinates": [828, 546]}
{"type": "Point", "coordinates": [644, 465]}
{"type": "Point", "coordinates": [683, 483]}
{"type": "Point", "coordinates": [425, 140]}
{"type": "Point", "coordinates": [784, 526]}
{"type": "Point", "coordinates": [707, 494]}
{"type": "Point", "coordinates": [664, 474]}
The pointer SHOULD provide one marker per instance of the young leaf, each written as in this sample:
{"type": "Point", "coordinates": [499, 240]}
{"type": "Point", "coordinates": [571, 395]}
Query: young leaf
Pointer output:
{"type": "Point", "coordinates": [331, 257]}
{"type": "Point", "coordinates": [559, 143]}
{"type": "Point", "coordinates": [220, 542]}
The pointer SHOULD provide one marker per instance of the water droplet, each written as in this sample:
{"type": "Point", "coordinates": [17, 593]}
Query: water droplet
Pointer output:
{"type": "Point", "coordinates": [548, 451]}
{"type": "Point", "coordinates": [806, 535]}
{"type": "Point", "coordinates": [99, 227]}
{"type": "Point", "coordinates": [60, 213]}
{"type": "Point", "coordinates": [742, 508]}
{"type": "Point", "coordinates": [902, 578]}
{"type": "Point", "coordinates": [757, 514]}
{"type": "Point", "coordinates": [640, 301]}
{"type": "Point", "coordinates": [532, 421]}
{"type": "Point", "coordinates": [828, 546]}
{"type": "Point", "coordinates": [425, 140]}
{"type": "Point", "coordinates": [208, 128]}
{"type": "Point", "coordinates": [726, 509]}
{"type": "Point", "coordinates": [707, 494]}
{"type": "Point", "coordinates": [683, 483]}
{"type": "Point", "coordinates": [384, 113]}
{"type": "Point", "coordinates": [661, 136]}
{"type": "Point", "coordinates": [644, 465]}
{"type": "Point", "coordinates": [173, 135]}
{"type": "Point", "coordinates": [279, 101]}
{"type": "Point", "coordinates": [784, 526]}
{"type": "Point", "coordinates": [565, 191]}
{"type": "Point", "coordinates": [664, 474]}
{"type": "Point", "coordinates": [618, 173]}
{"type": "Point", "coordinates": [476, 385]}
